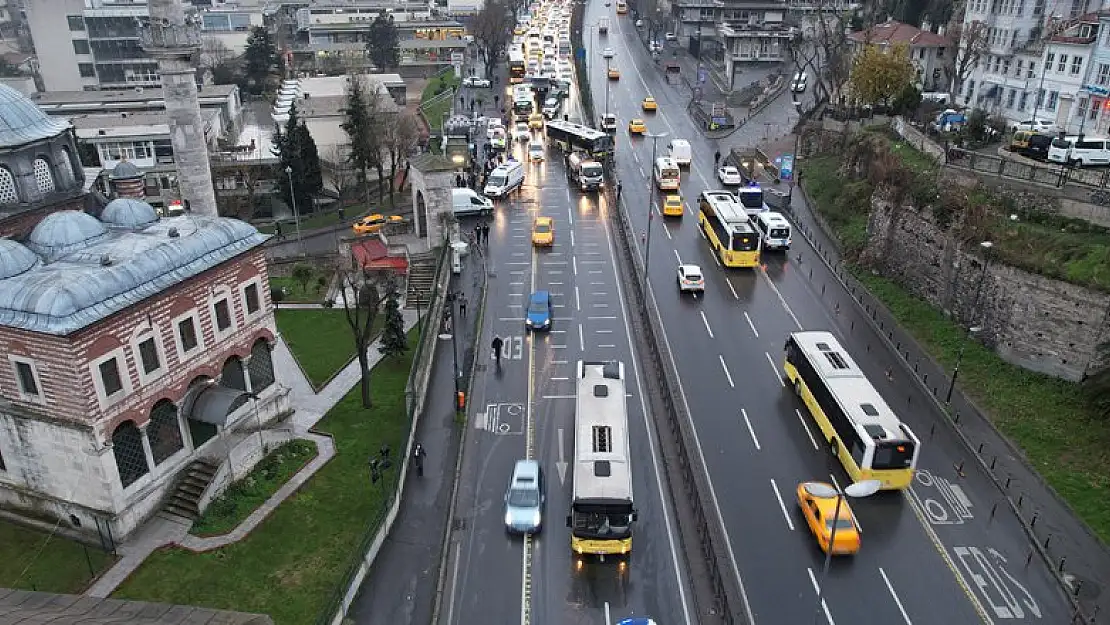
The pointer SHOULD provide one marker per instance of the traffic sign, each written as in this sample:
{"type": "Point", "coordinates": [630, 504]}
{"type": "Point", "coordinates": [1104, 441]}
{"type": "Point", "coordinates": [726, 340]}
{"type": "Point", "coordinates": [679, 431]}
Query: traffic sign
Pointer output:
{"type": "Point", "coordinates": [786, 169]}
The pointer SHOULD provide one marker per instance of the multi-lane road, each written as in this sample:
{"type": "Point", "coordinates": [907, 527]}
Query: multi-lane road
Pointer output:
{"type": "Point", "coordinates": [935, 554]}
{"type": "Point", "coordinates": [527, 410]}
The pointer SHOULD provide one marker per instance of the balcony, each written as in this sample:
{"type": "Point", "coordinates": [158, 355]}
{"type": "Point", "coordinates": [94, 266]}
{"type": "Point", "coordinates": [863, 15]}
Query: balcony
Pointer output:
{"type": "Point", "coordinates": [170, 37]}
{"type": "Point", "coordinates": [750, 31]}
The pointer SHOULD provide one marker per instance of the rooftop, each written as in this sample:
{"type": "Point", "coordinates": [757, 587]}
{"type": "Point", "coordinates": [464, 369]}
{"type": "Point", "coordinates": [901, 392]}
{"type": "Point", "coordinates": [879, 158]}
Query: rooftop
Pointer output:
{"type": "Point", "coordinates": [75, 270]}
{"type": "Point", "coordinates": [21, 122]}
{"type": "Point", "coordinates": [90, 126]}
{"type": "Point", "coordinates": [891, 32]}
{"type": "Point", "coordinates": [151, 96]}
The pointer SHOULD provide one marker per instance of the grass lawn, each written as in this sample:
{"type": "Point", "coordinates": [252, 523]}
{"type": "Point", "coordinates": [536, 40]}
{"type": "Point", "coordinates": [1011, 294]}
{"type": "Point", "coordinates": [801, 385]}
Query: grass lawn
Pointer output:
{"type": "Point", "coordinates": [844, 205]}
{"type": "Point", "coordinates": [434, 111]}
{"type": "Point", "coordinates": [319, 219]}
{"type": "Point", "coordinates": [243, 497]}
{"type": "Point", "coordinates": [1045, 416]}
{"type": "Point", "coordinates": [290, 566]}
{"type": "Point", "coordinates": [34, 560]}
{"type": "Point", "coordinates": [296, 292]}
{"type": "Point", "coordinates": [320, 339]}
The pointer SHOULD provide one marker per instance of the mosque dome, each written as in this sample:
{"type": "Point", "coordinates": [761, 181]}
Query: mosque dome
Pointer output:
{"type": "Point", "coordinates": [60, 232]}
{"type": "Point", "coordinates": [23, 122]}
{"type": "Point", "coordinates": [15, 259]}
{"type": "Point", "coordinates": [128, 212]}
{"type": "Point", "coordinates": [125, 170]}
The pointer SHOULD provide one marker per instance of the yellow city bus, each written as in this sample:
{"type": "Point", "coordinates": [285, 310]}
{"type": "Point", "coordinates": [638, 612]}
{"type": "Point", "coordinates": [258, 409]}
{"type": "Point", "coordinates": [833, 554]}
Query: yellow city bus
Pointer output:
{"type": "Point", "coordinates": [859, 427]}
{"type": "Point", "coordinates": [601, 509]}
{"type": "Point", "coordinates": [725, 226]}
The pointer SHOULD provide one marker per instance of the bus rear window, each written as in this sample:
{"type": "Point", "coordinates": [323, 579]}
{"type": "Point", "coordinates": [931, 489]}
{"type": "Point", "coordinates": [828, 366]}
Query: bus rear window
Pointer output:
{"type": "Point", "coordinates": [779, 233]}
{"type": "Point", "coordinates": [744, 242]}
{"type": "Point", "coordinates": [892, 455]}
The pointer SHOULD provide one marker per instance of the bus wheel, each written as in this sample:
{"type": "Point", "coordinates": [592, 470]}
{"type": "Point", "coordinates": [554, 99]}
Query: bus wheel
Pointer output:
{"type": "Point", "coordinates": [833, 447]}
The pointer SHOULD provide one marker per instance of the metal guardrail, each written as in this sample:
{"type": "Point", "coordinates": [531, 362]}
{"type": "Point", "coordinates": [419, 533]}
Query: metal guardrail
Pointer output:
{"type": "Point", "coordinates": [381, 521]}
{"type": "Point", "coordinates": [694, 477]}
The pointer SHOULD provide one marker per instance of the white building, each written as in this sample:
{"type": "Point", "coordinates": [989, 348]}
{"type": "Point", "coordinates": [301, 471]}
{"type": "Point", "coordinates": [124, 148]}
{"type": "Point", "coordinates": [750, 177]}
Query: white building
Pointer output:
{"type": "Point", "coordinates": [734, 32]}
{"type": "Point", "coordinates": [320, 103]}
{"type": "Point", "coordinates": [230, 24]}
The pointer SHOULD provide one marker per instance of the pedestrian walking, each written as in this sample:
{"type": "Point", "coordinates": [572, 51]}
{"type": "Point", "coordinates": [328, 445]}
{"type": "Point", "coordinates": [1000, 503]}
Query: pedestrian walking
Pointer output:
{"type": "Point", "coordinates": [418, 454]}
{"type": "Point", "coordinates": [485, 233]}
{"type": "Point", "coordinates": [277, 230]}
{"type": "Point", "coordinates": [619, 188]}
{"type": "Point", "coordinates": [496, 345]}
{"type": "Point", "coordinates": [478, 233]}
{"type": "Point", "coordinates": [462, 306]}
{"type": "Point", "coordinates": [716, 158]}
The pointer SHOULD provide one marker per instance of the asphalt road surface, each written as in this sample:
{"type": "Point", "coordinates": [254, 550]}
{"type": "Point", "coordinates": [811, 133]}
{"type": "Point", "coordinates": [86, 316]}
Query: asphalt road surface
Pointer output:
{"type": "Point", "coordinates": [934, 554]}
{"type": "Point", "coordinates": [527, 410]}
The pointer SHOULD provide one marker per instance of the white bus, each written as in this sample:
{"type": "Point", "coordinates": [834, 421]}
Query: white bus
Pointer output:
{"type": "Point", "coordinates": [601, 510]}
{"type": "Point", "coordinates": [773, 229]}
{"type": "Point", "coordinates": [860, 428]}
{"type": "Point", "coordinates": [667, 174]}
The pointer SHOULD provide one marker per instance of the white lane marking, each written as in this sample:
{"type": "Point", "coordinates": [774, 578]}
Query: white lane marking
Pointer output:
{"type": "Point", "coordinates": [751, 430]}
{"type": "Point", "coordinates": [835, 483]}
{"type": "Point", "coordinates": [751, 325]}
{"type": "Point", "coordinates": [601, 318]}
{"type": "Point", "coordinates": [667, 231]}
{"type": "Point", "coordinates": [782, 505]}
{"type": "Point", "coordinates": [667, 520]}
{"type": "Point", "coordinates": [572, 238]}
{"type": "Point", "coordinates": [678, 257]}
{"type": "Point", "coordinates": [577, 299]}
{"type": "Point", "coordinates": [806, 426]}
{"type": "Point", "coordinates": [893, 594]}
{"type": "Point", "coordinates": [558, 396]}
{"type": "Point", "coordinates": [574, 265]}
{"type": "Point", "coordinates": [454, 584]}
{"type": "Point", "coordinates": [775, 370]}
{"type": "Point", "coordinates": [560, 379]}
{"type": "Point", "coordinates": [581, 341]}
{"type": "Point", "coordinates": [782, 300]}
{"type": "Point", "coordinates": [570, 211]}
{"type": "Point", "coordinates": [642, 174]}
{"type": "Point", "coordinates": [607, 621]}
{"type": "Point", "coordinates": [817, 589]}
{"type": "Point", "coordinates": [732, 288]}
{"type": "Point", "coordinates": [725, 367]}
{"type": "Point", "coordinates": [706, 322]}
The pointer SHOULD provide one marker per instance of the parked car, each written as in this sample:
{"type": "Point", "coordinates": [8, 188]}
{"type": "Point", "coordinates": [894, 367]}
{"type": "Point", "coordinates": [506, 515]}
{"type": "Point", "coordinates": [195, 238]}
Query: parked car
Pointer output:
{"type": "Point", "coordinates": [729, 175]}
{"type": "Point", "coordinates": [476, 82]}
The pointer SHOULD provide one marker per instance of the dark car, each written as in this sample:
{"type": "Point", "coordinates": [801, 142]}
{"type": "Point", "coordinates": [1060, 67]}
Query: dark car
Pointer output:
{"type": "Point", "coordinates": [539, 311]}
{"type": "Point", "coordinates": [1038, 147]}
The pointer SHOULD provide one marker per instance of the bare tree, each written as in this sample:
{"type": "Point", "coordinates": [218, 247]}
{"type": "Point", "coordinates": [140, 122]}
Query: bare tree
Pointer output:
{"type": "Point", "coordinates": [825, 52]}
{"type": "Point", "coordinates": [492, 30]}
{"type": "Point", "coordinates": [358, 291]}
{"type": "Point", "coordinates": [973, 43]}
{"type": "Point", "coordinates": [400, 139]}
{"type": "Point", "coordinates": [237, 185]}
{"type": "Point", "coordinates": [340, 172]}
{"type": "Point", "coordinates": [214, 53]}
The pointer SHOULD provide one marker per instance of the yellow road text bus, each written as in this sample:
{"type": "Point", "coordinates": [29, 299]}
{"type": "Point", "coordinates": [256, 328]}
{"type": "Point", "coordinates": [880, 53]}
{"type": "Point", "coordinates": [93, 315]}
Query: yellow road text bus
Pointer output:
{"type": "Point", "coordinates": [726, 228]}
{"type": "Point", "coordinates": [859, 427]}
{"type": "Point", "coordinates": [601, 510]}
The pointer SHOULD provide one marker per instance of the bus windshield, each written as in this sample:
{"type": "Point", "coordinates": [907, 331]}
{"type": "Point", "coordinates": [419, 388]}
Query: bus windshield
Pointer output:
{"type": "Point", "coordinates": [892, 455]}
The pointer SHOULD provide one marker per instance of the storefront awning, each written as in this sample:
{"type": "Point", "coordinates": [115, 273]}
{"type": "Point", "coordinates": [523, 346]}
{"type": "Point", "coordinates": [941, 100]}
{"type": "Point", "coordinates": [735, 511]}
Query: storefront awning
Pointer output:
{"type": "Point", "coordinates": [213, 403]}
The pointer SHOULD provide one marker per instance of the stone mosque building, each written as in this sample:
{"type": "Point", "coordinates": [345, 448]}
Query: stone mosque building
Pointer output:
{"type": "Point", "coordinates": [133, 347]}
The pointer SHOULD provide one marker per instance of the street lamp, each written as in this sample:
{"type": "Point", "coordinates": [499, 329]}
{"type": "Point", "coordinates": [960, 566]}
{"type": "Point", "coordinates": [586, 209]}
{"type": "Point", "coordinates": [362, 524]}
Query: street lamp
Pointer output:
{"type": "Point", "coordinates": [293, 205]}
{"type": "Point", "coordinates": [607, 59]}
{"type": "Point", "coordinates": [866, 488]}
{"type": "Point", "coordinates": [651, 205]}
{"type": "Point", "coordinates": [450, 334]}
{"type": "Point", "coordinates": [987, 246]}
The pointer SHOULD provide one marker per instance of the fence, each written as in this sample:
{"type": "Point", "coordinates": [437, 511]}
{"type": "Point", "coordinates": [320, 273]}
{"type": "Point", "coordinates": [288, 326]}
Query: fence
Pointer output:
{"type": "Point", "coordinates": [692, 475]}
{"type": "Point", "coordinates": [1058, 544]}
{"type": "Point", "coordinates": [381, 523]}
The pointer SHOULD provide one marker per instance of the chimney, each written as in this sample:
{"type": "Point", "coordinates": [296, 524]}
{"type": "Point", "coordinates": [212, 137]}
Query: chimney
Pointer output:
{"type": "Point", "coordinates": [926, 26]}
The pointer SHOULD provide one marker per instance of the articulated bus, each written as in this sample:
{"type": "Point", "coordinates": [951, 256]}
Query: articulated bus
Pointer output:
{"type": "Point", "coordinates": [601, 511]}
{"type": "Point", "coordinates": [860, 428]}
{"type": "Point", "coordinates": [726, 228]}
{"type": "Point", "coordinates": [572, 137]}
{"type": "Point", "coordinates": [516, 67]}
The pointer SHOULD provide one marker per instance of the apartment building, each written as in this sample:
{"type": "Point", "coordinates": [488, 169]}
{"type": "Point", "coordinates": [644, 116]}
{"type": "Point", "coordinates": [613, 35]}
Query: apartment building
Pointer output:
{"type": "Point", "coordinates": [94, 44]}
{"type": "Point", "coordinates": [731, 33]}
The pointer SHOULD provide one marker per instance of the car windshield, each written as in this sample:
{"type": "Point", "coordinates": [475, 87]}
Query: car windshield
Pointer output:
{"type": "Point", "coordinates": [496, 180]}
{"type": "Point", "coordinates": [730, 171]}
{"type": "Point", "coordinates": [537, 306]}
{"type": "Point", "coordinates": [841, 524]}
{"type": "Point", "coordinates": [524, 498]}
{"type": "Point", "coordinates": [693, 276]}
{"type": "Point", "coordinates": [543, 228]}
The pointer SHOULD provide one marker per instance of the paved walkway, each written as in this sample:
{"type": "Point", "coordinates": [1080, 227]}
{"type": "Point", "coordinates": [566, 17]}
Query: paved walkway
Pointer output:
{"type": "Point", "coordinates": [310, 406]}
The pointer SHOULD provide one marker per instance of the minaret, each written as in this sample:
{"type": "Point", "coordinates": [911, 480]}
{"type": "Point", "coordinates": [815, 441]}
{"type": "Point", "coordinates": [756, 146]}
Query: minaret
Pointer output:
{"type": "Point", "coordinates": [173, 38]}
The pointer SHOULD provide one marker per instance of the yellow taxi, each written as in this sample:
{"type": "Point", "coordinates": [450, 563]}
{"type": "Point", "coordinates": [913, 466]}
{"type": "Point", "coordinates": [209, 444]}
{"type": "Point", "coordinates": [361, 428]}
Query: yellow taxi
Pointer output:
{"type": "Point", "coordinates": [614, 73]}
{"type": "Point", "coordinates": [373, 223]}
{"type": "Point", "coordinates": [535, 121]}
{"type": "Point", "coordinates": [818, 501]}
{"type": "Point", "coordinates": [672, 205]}
{"type": "Point", "coordinates": [519, 31]}
{"type": "Point", "coordinates": [543, 232]}
{"type": "Point", "coordinates": [636, 127]}
{"type": "Point", "coordinates": [649, 104]}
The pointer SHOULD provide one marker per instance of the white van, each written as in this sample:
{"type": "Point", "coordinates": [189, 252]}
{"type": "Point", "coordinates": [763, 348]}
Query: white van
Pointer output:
{"type": "Point", "coordinates": [1081, 151]}
{"type": "Point", "coordinates": [470, 202]}
{"type": "Point", "coordinates": [680, 151]}
{"type": "Point", "coordinates": [505, 179]}
{"type": "Point", "coordinates": [774, 230]}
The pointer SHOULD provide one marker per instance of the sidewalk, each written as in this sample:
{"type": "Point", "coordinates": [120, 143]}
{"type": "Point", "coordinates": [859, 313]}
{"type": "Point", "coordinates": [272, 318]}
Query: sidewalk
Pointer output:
{"type": "Point", "coordinates": [161, 531]}
{"type": "Point", "coordinates": [1078, 558]}
{"type": "Point", "coordinates": [401, 586]}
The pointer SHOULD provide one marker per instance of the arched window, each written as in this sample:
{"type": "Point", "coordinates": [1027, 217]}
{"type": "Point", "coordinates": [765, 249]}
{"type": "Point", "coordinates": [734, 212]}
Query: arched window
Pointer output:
{"type": "Point", "coordinates": [127, 446]}
{"type": "Point", "coordinates": [164, 432]}
{"type": "Point", "coordinates": [44, 176]}
{"type": "Point", "coordinates": [232, 375]}
{"type": "Point", "coordinates": [65, 164]}
{"type": "Point", "coordinates": [9, 194]}
{"type": "Point", "coordinates": [261, 366]}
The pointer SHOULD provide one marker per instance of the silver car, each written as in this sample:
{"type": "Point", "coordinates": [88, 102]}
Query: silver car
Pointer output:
{"type": "Point", "coordinates": [524, 501]}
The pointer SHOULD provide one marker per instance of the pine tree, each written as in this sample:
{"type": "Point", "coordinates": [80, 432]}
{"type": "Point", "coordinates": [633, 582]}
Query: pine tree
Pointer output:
{"type": "Point", "coordinates": [313, 177]}
{"type": "Point", "coordinates": [296, 151]}
{"type": "Point", "coordinates": [261, 59]}
{"type": "Point", "coordinates": [394, 341]}
{"type": "Point", "coordinates": [362, 118]}
{"type": "Point", "coordinates": [382, 43]}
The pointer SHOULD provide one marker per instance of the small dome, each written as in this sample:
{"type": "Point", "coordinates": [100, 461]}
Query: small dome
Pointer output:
{"type": "Point", "coordinates": [23, 122]}
{"type": "Point", "coordinates": [125, 170]}
{"type": "Point", "coordinates": [15, 259]}
{"type": "Point", "coordinates": [61, 231]}
{"type": "Point", "coordinates": [128, 213]}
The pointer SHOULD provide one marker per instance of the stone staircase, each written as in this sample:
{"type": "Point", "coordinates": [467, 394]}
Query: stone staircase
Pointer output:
{"type": "Point", "coordinates": [194, 480]}
{"type": "Point", "coordinates": [421, 280]}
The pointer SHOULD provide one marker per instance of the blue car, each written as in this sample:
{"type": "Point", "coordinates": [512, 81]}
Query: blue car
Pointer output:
{"type": "Point", "coordinates": [539, 311]}
{"type": "Point", "coordinates": [636, 621]}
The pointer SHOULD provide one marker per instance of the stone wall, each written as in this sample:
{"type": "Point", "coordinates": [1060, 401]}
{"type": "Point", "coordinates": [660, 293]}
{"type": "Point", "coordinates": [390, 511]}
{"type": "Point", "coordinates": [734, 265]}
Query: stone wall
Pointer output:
{"type": "Point", "coordinates": [1038, 323]}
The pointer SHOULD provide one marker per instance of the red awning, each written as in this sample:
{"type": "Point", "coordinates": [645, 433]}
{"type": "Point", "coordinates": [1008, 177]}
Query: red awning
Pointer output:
{"type": "Point", "coordinates": [372, 253]}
